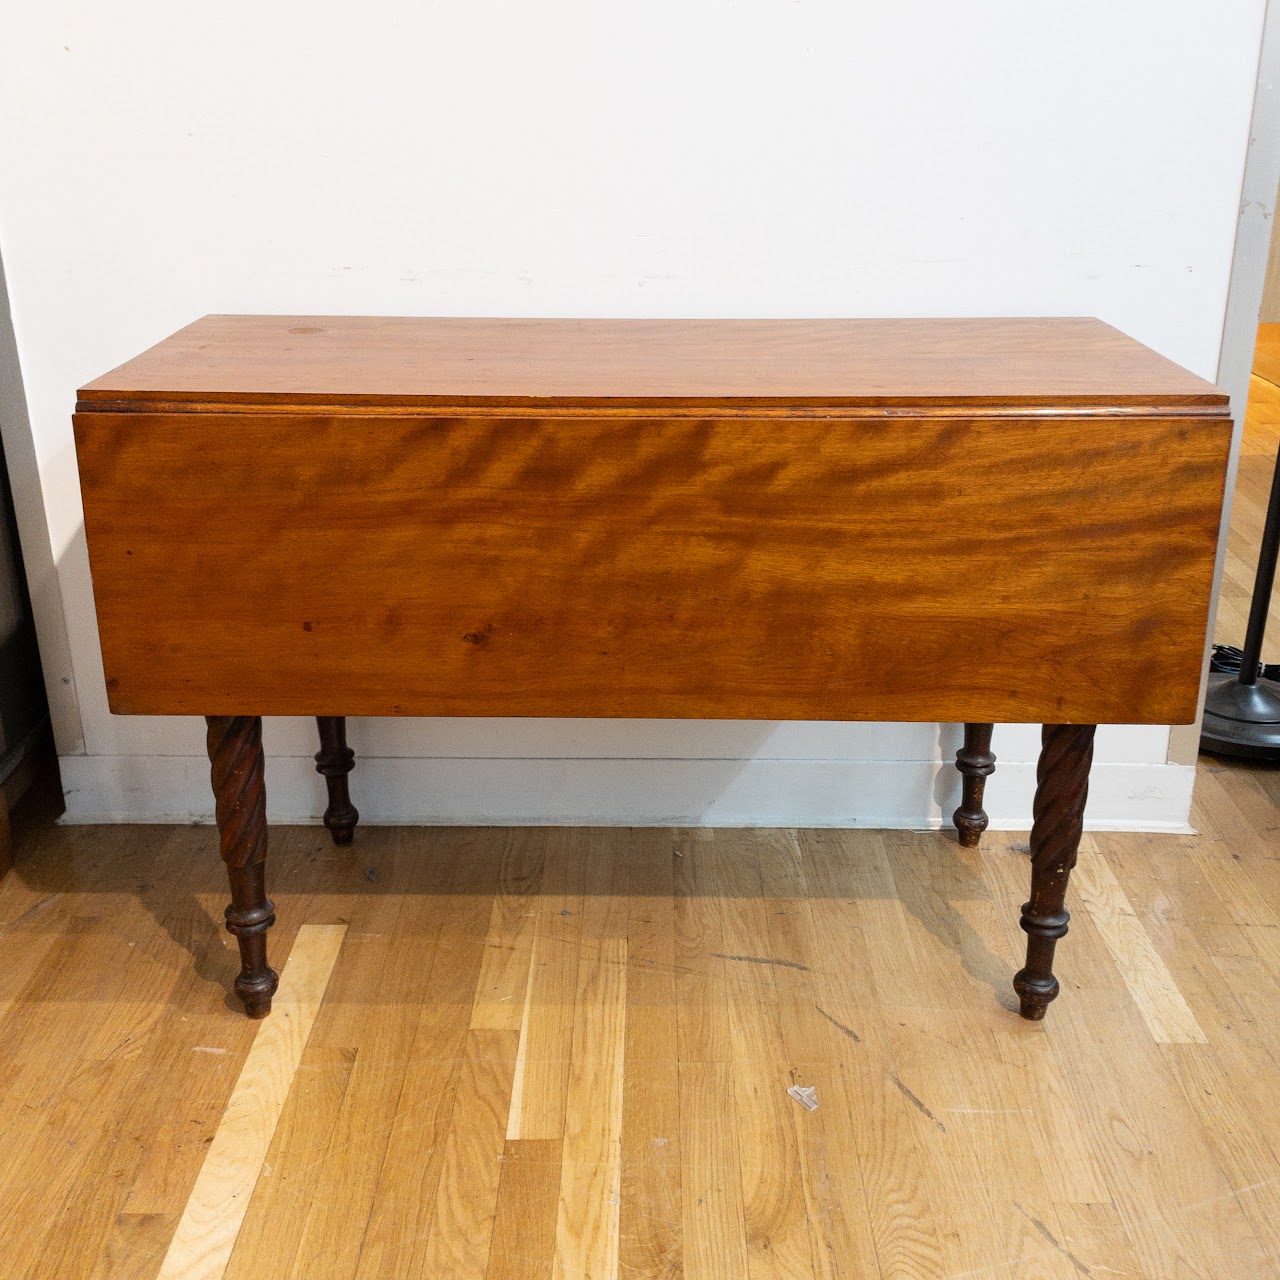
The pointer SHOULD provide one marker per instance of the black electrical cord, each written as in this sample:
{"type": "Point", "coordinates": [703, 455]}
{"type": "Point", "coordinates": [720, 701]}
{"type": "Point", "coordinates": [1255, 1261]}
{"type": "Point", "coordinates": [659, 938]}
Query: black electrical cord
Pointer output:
{"type": "Point", "coordinates": [1226, 662]}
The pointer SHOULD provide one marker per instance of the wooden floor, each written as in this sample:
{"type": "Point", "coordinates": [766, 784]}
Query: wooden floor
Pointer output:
{"type": "Point", "coordinates": [566, 1054]}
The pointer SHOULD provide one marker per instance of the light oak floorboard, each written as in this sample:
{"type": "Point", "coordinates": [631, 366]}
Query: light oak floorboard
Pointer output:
{"type": "Point", "coordinates": [210, 1223]}
{"type": "Point", "coordinates": [1163, 1007]}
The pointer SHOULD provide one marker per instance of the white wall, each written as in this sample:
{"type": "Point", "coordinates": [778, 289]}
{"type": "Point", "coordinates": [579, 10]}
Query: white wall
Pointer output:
{"type": "Point", "coordinates": [700, 158]}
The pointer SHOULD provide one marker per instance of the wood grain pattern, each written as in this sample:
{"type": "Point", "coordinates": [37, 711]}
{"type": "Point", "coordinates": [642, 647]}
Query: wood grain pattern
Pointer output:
{"type": "Point", "coordinates": [590, 1202]}
{"type": "Point", "coordinates": [865, 928]}
{"type": "Point", "coordinates": [502, 989]}
{"type": "Point", "coordinates": [278, 1213]}
{"type": "Point", "coordinates": [397, 361]}
{"type": "Point", "coordinates": [457, 1242]}
{"type": "Point", "coordinates": [410, 1096]}
{"type": "Point", "coordinates": [547, 1018]}
{"type": "Point", "coordinates": [588, 566]}
{"type": "Point", "coordinates": [524, 1228]}
{"type": "Point", "coordinates": [1164, 1008]}
{"type": "Point", "coordinates": [650, 1237]}
{"type": "Point", "coordinates": [714, 1226]}
{"type": "Point", "coordinates": [1085, 1139]}
{"type": "Point", "coordinates": [207, 1230]}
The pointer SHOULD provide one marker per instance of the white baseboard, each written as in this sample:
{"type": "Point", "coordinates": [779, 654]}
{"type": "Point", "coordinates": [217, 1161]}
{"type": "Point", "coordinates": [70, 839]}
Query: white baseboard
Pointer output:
{"type": "Point", "coordinates": [631, 792]}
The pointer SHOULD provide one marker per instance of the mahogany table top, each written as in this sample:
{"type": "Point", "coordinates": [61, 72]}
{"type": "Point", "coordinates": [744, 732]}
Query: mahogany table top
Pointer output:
{"type": "Point", "coordinates": [364, 361]}
{"type": "Point", "coordinates": [955, 520]}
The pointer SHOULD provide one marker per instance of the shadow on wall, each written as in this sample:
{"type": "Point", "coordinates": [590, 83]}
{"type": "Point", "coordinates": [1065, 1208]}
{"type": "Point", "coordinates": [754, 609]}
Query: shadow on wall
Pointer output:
{"type": "Point", "coordinates": [537, 772]}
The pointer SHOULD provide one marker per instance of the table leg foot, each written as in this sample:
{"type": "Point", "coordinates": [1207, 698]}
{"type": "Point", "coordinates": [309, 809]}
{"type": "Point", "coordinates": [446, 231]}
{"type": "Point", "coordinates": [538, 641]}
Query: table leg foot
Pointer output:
{"type": "Point", "coordinates": [334, 761]}
{"type": "Point", "coordinates": [1062, 786]}
{"type": "Point", "coordinates": [976, 764]}
{"type": "Point", "coordinates": [237, 772]}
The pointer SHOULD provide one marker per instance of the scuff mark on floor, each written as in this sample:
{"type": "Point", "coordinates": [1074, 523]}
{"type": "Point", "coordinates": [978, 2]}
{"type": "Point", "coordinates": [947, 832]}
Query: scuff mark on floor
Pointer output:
{"type": "Point", "coordinates": [915, 1102]}
{"type": "Point", "coordinates": [1053, 1240]}
{"type": "Point", "coordinates": [1233, 1194]}
{"type": "Point", "coordinates": [783, 964]}
{"type": "Point", "coordinates": [839, 1026]}
{"type": "Point", "coordinates": [30, 911]}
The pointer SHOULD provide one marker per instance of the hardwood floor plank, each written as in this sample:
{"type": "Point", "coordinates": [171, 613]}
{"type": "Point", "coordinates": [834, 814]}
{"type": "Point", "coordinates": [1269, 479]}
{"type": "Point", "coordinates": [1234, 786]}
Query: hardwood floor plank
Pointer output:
{"type": "Point", "coordinates": [1048, 1129]}
{"type": "Point", "coordinates": [1164, 1179]}
{"type": "Point", "coordinates": [714, 1229]}
{"type": "Point", "coordinates": [779, 1242]}
{"type": "Point", "coordinates": [271, 1234]}
{"type": "Point", "coordinates": [817, 1044]}
{"type": "Point", "coordinates": [587, 1218]}
{"type": "Point", "coordinates": [442, 924]}
{"type": "Point", "coordinates": [774, 1208]}
{"type": "Point", "coordinates": [1163, 1006]}
{"type": "Point", "coordinates": [457, 1242]}
{"type": "Point", "coordinates": [650, 1236]}
{"type": "Point", "coordinates": [546, 1027]}
{"type": "Point", "coordinates": [650, 1222]}
{"type": "Point", "coordinates": [524, 1220]}
{"type": "Point", "coordinates": [210, 1223]}
{"type": "Point", "coordinates": [869, 1113]}
{"type": "Point", "coordinates": [502, 986]}
{"type": "Point", "coordinates": [1237, 1120]}
{"type": "Point", "coordinates": [135, 1246]}
{"type": "Point", "coordinates": [702, 1007]}
{"type": "Point", "coordinates": [115, 1039]}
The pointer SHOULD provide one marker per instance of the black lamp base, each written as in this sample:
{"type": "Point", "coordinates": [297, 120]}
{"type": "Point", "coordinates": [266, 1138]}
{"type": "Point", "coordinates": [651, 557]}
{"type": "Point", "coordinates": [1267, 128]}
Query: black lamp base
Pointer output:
{"type": "Point", "coordinates": [1242, 720]}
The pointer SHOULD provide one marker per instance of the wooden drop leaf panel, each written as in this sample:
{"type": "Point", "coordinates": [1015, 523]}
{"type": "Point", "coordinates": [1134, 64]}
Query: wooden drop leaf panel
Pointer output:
{"type": "Point", "coordinates": [932, 566]}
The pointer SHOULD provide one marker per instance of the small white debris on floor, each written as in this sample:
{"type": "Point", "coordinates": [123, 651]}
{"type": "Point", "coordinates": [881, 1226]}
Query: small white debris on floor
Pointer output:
{"type": "Point", "coordinates": [806, 1095]}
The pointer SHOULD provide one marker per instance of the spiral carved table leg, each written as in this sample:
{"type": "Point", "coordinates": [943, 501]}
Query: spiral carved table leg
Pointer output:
{"type": "Point", "coordinates": [1062, 785]}
{"type": "Point", "coordinates": [334, 761]}
{"type": "Point", "coordinates": [235, 757]}
{"type": "Point", "coordinates": [976, 765]}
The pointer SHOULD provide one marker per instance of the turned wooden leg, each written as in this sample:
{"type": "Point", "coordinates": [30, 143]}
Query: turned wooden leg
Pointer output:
{"type": "Point", "coordinates": [976, 765]}
{"type": "Point", "coordinates": [235, 757]}
{"type": "Point", "coordinates": [1062, 784]}
{"type": "Point", "coordinates": [334, 761]}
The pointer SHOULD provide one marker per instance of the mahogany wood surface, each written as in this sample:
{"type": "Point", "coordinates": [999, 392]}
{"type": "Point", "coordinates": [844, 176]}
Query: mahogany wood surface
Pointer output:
{"type": "Point", "coordinates": [920, 568]}
{"type": "Point", "coordinates": [398, 361]}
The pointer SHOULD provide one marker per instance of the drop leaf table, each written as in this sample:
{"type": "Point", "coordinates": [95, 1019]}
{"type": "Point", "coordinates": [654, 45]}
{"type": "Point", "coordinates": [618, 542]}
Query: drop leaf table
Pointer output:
{"type": "Point", "coordinates": [933, 520]}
